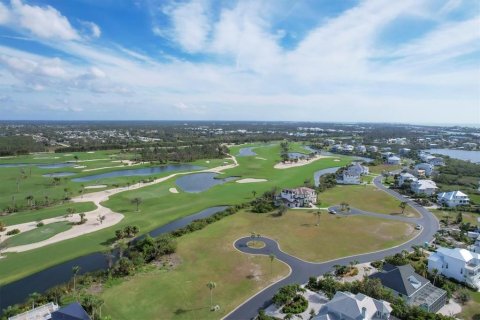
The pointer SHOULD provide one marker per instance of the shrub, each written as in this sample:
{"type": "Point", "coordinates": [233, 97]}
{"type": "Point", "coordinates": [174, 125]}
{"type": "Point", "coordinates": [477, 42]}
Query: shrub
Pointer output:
{"type": "Point", "coordinates": [298, 305]}
{"type": "Point", "coordinates": [2, 226]}
{"type": "Point", "coordinates": [286, 294]}
{"type": "Point", "coordinates": [40, 224]}
{"type": "Point", "coordinates": [13, 231]}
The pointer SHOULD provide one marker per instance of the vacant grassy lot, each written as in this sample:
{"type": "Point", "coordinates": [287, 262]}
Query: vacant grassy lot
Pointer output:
{"type": "Point", "coordinates": [208, 255]}
{"type": "Point", "coordinates": [384, 167]}
{"type": "Point", "coordinates": [471, 311]}
{"type": "Point", "coordinates": [469, 217]}
{"type": "Point", "coordinates": [38, 234]}
{"type": "Point", "coordinates": [367, 198]}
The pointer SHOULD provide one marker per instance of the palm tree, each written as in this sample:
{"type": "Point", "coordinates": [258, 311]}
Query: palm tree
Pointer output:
{"type": "Point", "coordinates": [253, 236]}
{"type": "Point", "coordinates": [435, 275]}
{"type": "Point", "coordinates": [122, 247]}
{"type": "Point", "coordinates": [34, 296]}
{"type": "Point", "coordinates": [318, 214]}
{"type": "Point", "coordinates": [403, 205]}
{"type": "Point", "coordinates": [75, 270]}
{"type": "Point", "coordinates": [76, 158]}
{"type": "Point", "coordinates": [137, 201]}
{"type": "Point", "coordinates": [211, 285]}
{"type": "Point", "coordinates": [272, 258]}
{"type": "Point", "coordinates": [254, 193]}
{"type": "Point", "coordinates": [29, 199]}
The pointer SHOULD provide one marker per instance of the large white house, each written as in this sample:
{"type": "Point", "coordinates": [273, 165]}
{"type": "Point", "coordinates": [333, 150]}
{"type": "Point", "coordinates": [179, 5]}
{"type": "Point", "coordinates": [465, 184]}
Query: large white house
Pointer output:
{"type": "Point", "coordinates": [347, 306]}
{"type": "Point", "coordinates": [460, 264]}
{"type": "Point", "coordinates": [453, 199]}
{"type": "Point", "coordinates": [352, 174]}
{"type": "Point", "coordinates": [298, 197]}
{"type": "Point", "coordinates": [404, 177]}
{"type": "Point", "coordinates": [425, 168]}
{"type": "Point", "coordinates": [423, 186]}
{"type": "Point", "coordinates": [436, 161]}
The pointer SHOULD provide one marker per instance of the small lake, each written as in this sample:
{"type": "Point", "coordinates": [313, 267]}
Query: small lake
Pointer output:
{"type": "Point", "coordinates": [297, 155]}
{"type": "Point", "coordinates": [138, 172]}
{"type": "Point", "coordinates": [467, 155]}
{"type": "Point", "coordinates": [58, 174]}
{"type": "Point", "coordinates": [18, 291]}
{"type": "Point", "coordinates": [246, 152]}
{"type": "Point", "coordinates": [199, 182]}
{"type": "Point", "coordinates": [39, 165]}
{"type": "Point", "coordinates": [319, 173]}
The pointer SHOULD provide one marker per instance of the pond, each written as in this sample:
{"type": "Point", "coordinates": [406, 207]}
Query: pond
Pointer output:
{"type": "Point", "coordinates": [467, 155]}
{"type": "Point", "coordinates": [246, 152]}
{"type": "Point", "coordinates": [58, 174]}
{"type": "Point", "coordinates": [18, 291]}
{"type": "Point", "coordinates": [297, 155]}
{"type": "Point", "coordinates": [138, 172]}
{"type": "Point", "coordinates": [39, 165]}
{"type": "Point", "coordinates": [199, 182]}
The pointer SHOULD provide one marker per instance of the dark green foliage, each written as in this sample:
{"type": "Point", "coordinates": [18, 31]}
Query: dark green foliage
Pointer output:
{"type": "Point", "coordinates": [286, 294]}
{"type": "Point", "coordinates": [13, 232]}
{"type": "Point", "coordinates": [297, 305]}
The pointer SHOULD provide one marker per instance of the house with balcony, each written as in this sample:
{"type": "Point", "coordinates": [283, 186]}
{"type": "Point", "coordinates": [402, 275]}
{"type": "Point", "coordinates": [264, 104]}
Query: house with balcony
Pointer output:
{"type": "Point", "coordinates": [404, 177]}
{"type": "Point", "coordinates": [296, 198]}
{"type": "Point", "coordinates": [347, 306]}
{"type": "Point", "coordinates": [453, 199]}
{"type": "Point", "coordinates": [393, 160]}
{"type": "Point", "coordinates": [460, 264]}
{"type": "Point", "coordinates": [352, 174]}
{"type": "Point", "coordinates": [414, 289]}
{"type": "Point", "coordinates": [424, 169]}
{"type": "Point", "coordinates": [424, 187]}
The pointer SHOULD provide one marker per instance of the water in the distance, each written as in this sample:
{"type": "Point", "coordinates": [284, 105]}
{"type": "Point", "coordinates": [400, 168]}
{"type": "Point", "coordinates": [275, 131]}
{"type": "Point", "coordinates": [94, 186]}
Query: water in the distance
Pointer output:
{"type": "Point", "coordinates": [199, 182]}
{"type": "Point", "coordinates": [297, 155]}
{"type": "Point", "coordinates": [58, 174]}
{"type": "Point", "coordinates": [467, 155]}
{"type": "Point", "coordinates": [246, 152]}
{"type": "Point", "coordinates": [39, 165]}
{"type": "Point", "coordinates": [138, 172]}
{"type": "Point", "coordinates": [319, 173]}
{"type": "Point", "coordinates": [18, 291]}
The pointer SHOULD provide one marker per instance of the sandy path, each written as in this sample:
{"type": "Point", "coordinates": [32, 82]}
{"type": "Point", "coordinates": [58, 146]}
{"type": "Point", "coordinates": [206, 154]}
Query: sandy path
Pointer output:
{"type": "Point", "coordinates": [250, 180]}
{"type": "Point", "coordinates": [299, 163]}
{"type": "Point", "coordinates": [92, 225]}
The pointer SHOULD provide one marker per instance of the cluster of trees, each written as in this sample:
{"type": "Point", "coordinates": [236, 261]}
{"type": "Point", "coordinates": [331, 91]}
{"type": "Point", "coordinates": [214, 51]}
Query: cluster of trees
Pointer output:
{"type": "Point", "coordinates": [19, 145]}
{"type": "Point", "coordinates": [183, 154]}
{"type": "Point", "coordinates": [284, 148]}
{"type": "Point", "coordinates": [291, 299]}
{"type": "Point", "coordinates": [126, 232]}
{"type": "Point", "coordinates": [265, 202]}
{"type": "Point", "coordinates": [327, 181]}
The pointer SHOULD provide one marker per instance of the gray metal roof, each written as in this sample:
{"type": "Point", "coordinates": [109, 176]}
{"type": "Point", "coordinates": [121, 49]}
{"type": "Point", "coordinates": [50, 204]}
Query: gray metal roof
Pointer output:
{"type": "Point", "coordinates": [402, 279]}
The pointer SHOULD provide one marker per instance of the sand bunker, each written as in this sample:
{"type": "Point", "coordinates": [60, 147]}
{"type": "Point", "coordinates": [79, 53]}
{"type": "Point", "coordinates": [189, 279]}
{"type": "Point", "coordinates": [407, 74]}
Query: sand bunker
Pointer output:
{"type": "Point", "coordinates": [173, 190]}
{"type": "Point", "coordinates": [98, 186]}
{"type": "Point", "coordinates": [250, 180]}
{"type": "Point", "coordinates": [299, 163]}
{"type": "Point", "coordinates": [260, 158]}
{"type": "Point", "coordinates": [336, 160]}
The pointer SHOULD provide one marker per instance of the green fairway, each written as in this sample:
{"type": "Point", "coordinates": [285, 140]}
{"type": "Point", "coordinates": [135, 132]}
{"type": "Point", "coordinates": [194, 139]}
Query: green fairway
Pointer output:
{"type": "Point", "coordinates": [366, 198]}
{"type": "Point", "coordinates": [208, 255]}
{"type": "Point", "coordinates": [46, 213]}
{"type": "Point", "coordinates": [38, 234]}
{"type": "Point", "coordinates": [160, 206]}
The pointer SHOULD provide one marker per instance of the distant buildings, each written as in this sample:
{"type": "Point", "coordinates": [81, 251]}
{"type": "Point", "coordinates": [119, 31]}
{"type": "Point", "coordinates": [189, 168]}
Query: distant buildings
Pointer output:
{"type": "Point", "coordinates": [347, 306]}
{"type": "Point", "coordinates": [411, 287]}
{"type": "Point", "coordinates": [424, 187]}
{"type": "Point", "coordinates": [428, 158]}
{"type": "Point", "coordinates": [453, 199]}
{"type": "Point", "coordinates": [404, 177]}
{"type": "Point", "coordinates": [296, 198]}
{"type": "Point", "coordinates": [372, 149]}
{"type": "Point", "coordinates": [361, 149]}
{"type": "Point", "coordinates": [352, 174]}
{"type": "Point", "coordinates": [404, 151]}
{"type": "Point", "coordinates": [460, 264]}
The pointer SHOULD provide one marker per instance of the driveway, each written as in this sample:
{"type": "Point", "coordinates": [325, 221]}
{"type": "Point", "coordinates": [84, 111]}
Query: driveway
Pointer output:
{"type": "Point", "coordinates": [302, 270]}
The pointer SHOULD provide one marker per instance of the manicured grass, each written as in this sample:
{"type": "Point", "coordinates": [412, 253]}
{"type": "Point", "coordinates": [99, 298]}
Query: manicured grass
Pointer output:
{"type": "Point", "coordinates": [208, 255]}
{"type": "Point", "coordinates": [367, 198]}
{"type": "Point", "coordinates": [38, 234]}
{"type": "Point", "coordinates": [46, 213]}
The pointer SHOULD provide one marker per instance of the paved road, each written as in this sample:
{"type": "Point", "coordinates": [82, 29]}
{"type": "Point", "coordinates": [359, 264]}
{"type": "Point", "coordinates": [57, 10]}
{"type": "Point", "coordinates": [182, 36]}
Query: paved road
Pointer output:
{"type": "Point", "coordinates": [302, 270]}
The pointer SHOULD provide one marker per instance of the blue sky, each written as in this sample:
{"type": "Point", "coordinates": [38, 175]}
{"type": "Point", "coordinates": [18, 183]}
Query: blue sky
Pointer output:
{"type": "Point", "coordinates": [414, 61]}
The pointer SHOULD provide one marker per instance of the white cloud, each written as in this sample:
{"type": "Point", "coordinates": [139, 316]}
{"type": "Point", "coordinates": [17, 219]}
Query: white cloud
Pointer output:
{"type": "Point", "coordinates": [190, 25]}
{"type": "Point", "coordinates": [4, 14]}
{"type": "Point", "coordinates": [93, 29]}
{"type": "Point", "coordinates": [44, 22]}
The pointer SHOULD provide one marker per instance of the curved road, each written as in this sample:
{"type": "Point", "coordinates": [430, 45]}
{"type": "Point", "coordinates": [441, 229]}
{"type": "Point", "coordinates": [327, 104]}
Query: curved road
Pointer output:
{"type": "Point", "coordinates": [301, 270]}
